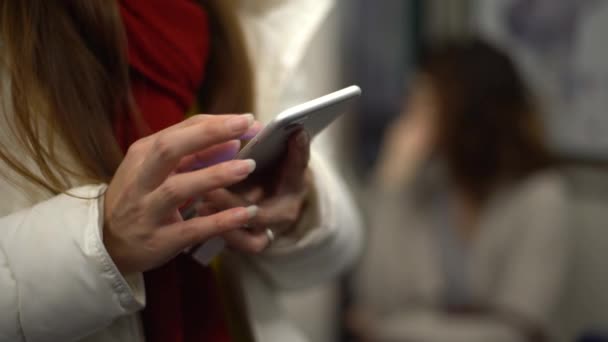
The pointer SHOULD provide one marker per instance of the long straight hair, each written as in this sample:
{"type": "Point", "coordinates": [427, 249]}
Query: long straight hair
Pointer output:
{"type": "Point", "coordinates": [68, 81]}
{"type": "Point", "coordinates": [68, 78]}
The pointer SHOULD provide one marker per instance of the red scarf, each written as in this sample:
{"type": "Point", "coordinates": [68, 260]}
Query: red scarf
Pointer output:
{"type": "Point", "coordinates": [168, 46]}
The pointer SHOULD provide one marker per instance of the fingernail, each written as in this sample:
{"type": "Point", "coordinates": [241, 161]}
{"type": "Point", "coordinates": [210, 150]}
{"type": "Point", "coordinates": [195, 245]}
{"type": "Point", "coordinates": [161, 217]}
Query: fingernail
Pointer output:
{"type": "Point", "coordinates": [303, 139]}
{"type": "Point", "coordinates": [243, 167]}
{"type": "Point", "coordinates": [252, 210]}
{"type": "Point", "coordinates": [248, 213]}
{"type": "Point", "coordinates": [240, 123]}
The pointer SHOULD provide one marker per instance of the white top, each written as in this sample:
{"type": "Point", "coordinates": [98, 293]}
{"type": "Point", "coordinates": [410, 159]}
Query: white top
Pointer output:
{"type": "Point", "coordinates": [518, 263]}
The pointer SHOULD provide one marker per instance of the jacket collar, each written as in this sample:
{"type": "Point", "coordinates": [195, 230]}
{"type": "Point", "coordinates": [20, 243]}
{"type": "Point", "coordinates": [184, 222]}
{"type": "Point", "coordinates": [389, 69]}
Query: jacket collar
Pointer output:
{"type": "Point", "coordinates": [277, 33]}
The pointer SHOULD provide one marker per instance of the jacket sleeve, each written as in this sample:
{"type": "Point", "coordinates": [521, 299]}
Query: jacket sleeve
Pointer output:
{"type": "Point", "coordinates": [328, 238]}
{"type": "Point", "coordinates": [57, 281]}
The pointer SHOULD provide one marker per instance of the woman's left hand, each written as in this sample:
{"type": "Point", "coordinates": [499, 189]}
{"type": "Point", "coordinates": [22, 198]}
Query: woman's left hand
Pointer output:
{"type": "Point", "coordinates": [280, 202]}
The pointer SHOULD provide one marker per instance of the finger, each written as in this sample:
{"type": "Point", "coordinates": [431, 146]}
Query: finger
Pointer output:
{"type": "Point", "coordinates": [293, 168]}
{"type": "Point", "coordinates": [278, 212]}
{"type": "Point", "coordinates": [193, 120]}
{"type": "Point", "coordinates": [169, 147]}
{"type": "Point", "coordinates": [227, 199]}
{"type": "Point", "coordinates": [198, 118]}
{"type": "Point", "coordinates": [253, 131]}
{"type": "Point", "coordinates": [224, 199]}
{"type": "Point", "coordinates": [184, 234]}
{"type": "Point", "coordinates": [211, 156]}
{"type": "Point", "coordinates": [179, 188]}
{"type": "Point", "coordinates": [254, 195]}
{"type": "Point", "coordinates": [245, 241]}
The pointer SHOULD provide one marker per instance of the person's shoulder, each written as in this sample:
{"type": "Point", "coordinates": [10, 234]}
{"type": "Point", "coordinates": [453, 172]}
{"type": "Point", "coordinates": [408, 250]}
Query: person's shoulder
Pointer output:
{"type": "Point", "coordinates": [545, 188]}
{"type": "Point", "coordinates": [549, 182]}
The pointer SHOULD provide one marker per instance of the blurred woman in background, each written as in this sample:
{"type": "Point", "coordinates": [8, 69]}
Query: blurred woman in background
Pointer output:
{"type": "Point", "coordinates": [98, 155]}
{"type": "Point", "coordinates": [467, 218]}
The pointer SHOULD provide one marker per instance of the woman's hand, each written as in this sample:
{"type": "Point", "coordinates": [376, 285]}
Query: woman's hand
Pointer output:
{"type": "Point", "coordinates": [409, 139]}
{"type": "Point", "coordinates": [280, 201]}
{"type": "Point", "coordinates": [142, 225]}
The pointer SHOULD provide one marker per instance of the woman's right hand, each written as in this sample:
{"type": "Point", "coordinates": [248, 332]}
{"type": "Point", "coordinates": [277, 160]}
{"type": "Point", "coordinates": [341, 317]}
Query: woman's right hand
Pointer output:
{"type": "Point", "coordinates": [142, 225]}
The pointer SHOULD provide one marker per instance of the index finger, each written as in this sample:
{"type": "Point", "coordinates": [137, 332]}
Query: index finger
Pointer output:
{"type": "Point", "coordinates": [170, 146]}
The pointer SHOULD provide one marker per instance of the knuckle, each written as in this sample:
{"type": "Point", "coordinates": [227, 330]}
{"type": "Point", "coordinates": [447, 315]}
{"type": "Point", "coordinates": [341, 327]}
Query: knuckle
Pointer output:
{"type": "Point", "coordinates": [137, 210]}
{"type": "Point", "coordinates": [196, 230]}
{"type": "Point", "coordinates": [220, 176]}
{"type": "Point", "coordinates": [126, 205]}
{"type": "Point", "coordinates": [136, 148]}
{"type": "Point", "coordinates": [250, 245]}
{"type": "Point", "coordinates": [214, 179]}
{"type": "Point", "coordinates": [189, 232]}
{"type": "Point", "coordinates": [197, 118]}
{"type": "Point", "coordinates": [169, 190]}
{"type": "Point", "coordinates": [214, 129]}
{"type": "Point", "coordinates": [152, 244]}
{"type": "Point", "coordinates": [258, 246]}
{"type": "Point", "coordinates": [221, 222]}
{"type": "Point", "coordinates": [163, 148]}
{"type": "Point", "coordinates": [289, 215]}
{"type": "Point", "coordinates": [292, 216]}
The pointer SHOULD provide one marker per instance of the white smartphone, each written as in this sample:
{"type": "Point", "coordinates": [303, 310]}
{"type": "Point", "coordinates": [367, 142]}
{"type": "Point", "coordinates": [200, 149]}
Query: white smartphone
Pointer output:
{"type": "Point", "coordinates": [313, 116]}
{"type": "Point", "coordinates": [268, 145]}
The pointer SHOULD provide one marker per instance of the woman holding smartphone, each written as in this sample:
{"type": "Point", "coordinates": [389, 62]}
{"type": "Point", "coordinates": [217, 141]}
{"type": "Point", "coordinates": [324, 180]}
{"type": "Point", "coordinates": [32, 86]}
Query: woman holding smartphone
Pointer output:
{"type": "Point", "coordinates": [97, 159]}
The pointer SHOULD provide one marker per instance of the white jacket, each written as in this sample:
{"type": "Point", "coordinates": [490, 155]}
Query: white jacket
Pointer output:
{"type": "Point", "coordinates": [58, 283]}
